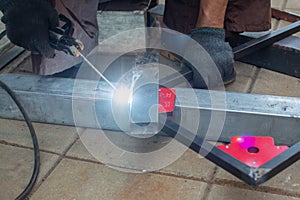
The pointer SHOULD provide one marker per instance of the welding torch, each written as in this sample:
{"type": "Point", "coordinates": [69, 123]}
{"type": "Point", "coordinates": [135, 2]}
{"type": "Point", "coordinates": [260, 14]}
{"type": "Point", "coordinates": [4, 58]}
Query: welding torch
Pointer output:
{"type": "Point", "coordinates": [61, 38]}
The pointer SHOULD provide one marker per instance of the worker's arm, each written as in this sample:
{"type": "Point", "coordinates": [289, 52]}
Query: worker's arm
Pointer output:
{"type": "Point", "coordinates": [212, 13]}
{"type": "Point", "coordinates": [210, 33]}
{"type": "Point", "coordinates": [28, 22]}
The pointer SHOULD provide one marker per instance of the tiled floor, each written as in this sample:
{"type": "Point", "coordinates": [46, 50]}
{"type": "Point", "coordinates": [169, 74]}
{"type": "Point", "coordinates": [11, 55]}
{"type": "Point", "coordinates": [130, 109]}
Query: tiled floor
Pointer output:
{"type": "Point", "coordinates": [69, 172]}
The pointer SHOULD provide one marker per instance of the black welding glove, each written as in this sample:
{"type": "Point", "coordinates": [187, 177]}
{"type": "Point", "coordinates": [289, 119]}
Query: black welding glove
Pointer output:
{"type": "Point", "coordinates": [213, 41]}
{"type": "Point", "coordinates": [28, 22]}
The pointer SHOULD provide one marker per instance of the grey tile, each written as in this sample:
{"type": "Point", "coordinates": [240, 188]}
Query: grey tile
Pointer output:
{"type": "Point", "coordinates": [293, 4]}
{"type": "Point", "coordinates": [243, 80]}
{"type": "Point", "coordinates": [16, 165]}
{"type": "Point", "coordinates": [120, 150]}
{"type": "Point", "coordinates": [221, 174]}
{"type": "Point", "coordinates": [272, 83]}
{"type": "Point", "coordinates": [277, 4]}
{"type": "Point", "coordinates": [83, 180]}
{"type": "Point", "coordinates": [191, 165]}
{"type": "Point", "coordinates": [224, 192]}
{"type": "Point", "coordinates": [78, 150]}
{"type": "Point", "coordinates": [288, 180]}
{"type": "Point", "coordinates": [51, 137]}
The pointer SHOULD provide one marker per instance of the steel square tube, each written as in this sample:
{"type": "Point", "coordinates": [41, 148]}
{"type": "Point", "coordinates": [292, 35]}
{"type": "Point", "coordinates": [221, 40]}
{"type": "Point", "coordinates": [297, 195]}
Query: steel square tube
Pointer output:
{"type": "Point", "coordinates": [49, 100]}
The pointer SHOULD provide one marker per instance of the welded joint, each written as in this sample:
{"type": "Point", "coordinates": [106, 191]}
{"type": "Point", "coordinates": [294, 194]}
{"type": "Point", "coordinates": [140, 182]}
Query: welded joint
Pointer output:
{"type": "Point", "coordinates": [257, 173]}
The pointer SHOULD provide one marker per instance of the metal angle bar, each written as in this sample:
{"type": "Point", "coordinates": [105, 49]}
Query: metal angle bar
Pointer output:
{"type": "Point", "coordinates": [209, 151]}
{"type": "Point", "coordinates": [282, 56]}
{"type": "Point", "coordinates": [280, 163]}
{"type": "Point", "coordinates": [253, 51]}
{"type": "Point", "coordinates": [49, 100]}
{"type": "Point", "coordinates": [283, 15]}
{"type": "Point", "coordinates": [264, 41]}
{"type": "Point", "coordinates": [252, 176]}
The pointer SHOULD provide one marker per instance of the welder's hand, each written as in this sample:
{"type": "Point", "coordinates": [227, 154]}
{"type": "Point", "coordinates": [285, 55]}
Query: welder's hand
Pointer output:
{"type": "Point", "coordinates": [213, 41]}
{"type": "Point", "coordinates": [28, 22]}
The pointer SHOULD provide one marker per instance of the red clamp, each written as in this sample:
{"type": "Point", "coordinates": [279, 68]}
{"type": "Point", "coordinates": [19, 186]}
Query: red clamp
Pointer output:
{"type": "Point", "coordinates": [254, 151]}
{"type": "Point", "coordinates": [166, 100]}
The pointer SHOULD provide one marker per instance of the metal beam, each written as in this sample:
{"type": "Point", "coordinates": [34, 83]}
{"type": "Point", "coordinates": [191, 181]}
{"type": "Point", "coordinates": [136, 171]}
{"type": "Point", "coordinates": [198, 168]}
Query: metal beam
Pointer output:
{"type": "Point", "coordinates": [264, 41]}
{"type": "Point", "coordinates": [286, 16]}
{"type": "Point", "coordinates": [250, 175]}
{"type": "Point", "coordinates": [282, 56]}
{"type": "Point", "coordinates": [49, 100]}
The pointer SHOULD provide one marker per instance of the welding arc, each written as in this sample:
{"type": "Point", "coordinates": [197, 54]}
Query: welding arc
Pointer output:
{"type": "Point", "coordinates": [96, 70]}
{"type": "Point", "coordinates": [34, 141]}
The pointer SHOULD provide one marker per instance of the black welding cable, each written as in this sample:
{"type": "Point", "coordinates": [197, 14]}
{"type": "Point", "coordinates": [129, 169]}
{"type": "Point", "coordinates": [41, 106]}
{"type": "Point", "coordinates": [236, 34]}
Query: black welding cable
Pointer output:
{"type": "Point", "coordinates": [35, 172]}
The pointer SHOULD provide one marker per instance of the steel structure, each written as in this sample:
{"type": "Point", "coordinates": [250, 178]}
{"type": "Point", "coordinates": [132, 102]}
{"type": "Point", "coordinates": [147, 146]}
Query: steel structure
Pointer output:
{"type": "Point", "coordinates": [49, 100]}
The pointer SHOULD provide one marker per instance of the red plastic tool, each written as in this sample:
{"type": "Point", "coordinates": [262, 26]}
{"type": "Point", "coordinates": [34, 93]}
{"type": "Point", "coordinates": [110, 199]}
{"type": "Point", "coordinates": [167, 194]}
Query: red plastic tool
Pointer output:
{"type": "Point", "coordinates": [254, 151]}
{"type": "Point", "coordinates": [166, 100]}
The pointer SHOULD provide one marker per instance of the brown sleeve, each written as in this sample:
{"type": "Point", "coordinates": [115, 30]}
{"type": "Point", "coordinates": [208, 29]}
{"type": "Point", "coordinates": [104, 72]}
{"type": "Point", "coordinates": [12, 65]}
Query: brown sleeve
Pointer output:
{"type": "Point", "coordinates": [241, 15]}
{"type": "Point", "coordinates": [254, 15]}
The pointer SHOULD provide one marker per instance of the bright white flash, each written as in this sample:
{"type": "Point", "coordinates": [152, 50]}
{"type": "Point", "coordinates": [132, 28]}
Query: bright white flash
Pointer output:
{"type": "Point", "coordinates": [122, 95]}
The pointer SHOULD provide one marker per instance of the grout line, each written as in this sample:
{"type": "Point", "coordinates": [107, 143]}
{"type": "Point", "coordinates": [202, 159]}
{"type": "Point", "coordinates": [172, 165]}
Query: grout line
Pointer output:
{"type": "Point", "coordinates": [3, 142]}
{"type": "Point", "coordinates": [253, 80]}
{"type": "Point", "coordinates": [258, 70]}
{"type": "Point", "coordinates": [83, 159]}
{"type": "Point", "coordinates": [231, 183]}
{"type": "Point", "coordinates": [61, 157]}
{"type": "Point", "coordinates": [210, 183]}
{"type": "Point", "coordinates": [264, 189]}
{"type": "Point", "coordinates": [284, 4]}
{"type": "Point", "coordinates": [180, 176]}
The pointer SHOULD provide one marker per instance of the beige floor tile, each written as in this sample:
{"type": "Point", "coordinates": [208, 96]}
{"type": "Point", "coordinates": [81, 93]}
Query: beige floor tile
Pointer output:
{"type": "Point", "coordinates": [294, 4]}
{"type": "Point", "coordinates": [277, 4]}
{"type": "Point", "coordinates": [78, 150]}
{"type": "Point", "coordinates": [222, 192]}
{"type": "Point", "coordinates": [191, 165]}
{"type": "Point", "coordinates": [51, 137]}
{"type": "Point", "coordinates": [274, 23]}
{"type": "Point", "coordinates": [243, 80]}
{"type": "Point", "coordinates": [117, 139]}
{"type": "Point", "coordinates": [272, 83]}
{"type": "Point", "coordinates": [293, 10]}
{"type": "Point", "coordinates": [83, 180]}
{"type": "Point", "coordinates": [16, 165]}
{"type": "Point", "coordinates": [221, 174]}
{"type": "Point", "coordinates": [288, 179]}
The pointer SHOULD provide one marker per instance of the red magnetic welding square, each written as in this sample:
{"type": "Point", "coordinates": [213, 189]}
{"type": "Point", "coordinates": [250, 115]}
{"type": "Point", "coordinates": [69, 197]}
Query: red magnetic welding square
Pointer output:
{"type": "Point", "coordinates": [166, 100]}
{"type": "Point", "coordinates": [254, 151]}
